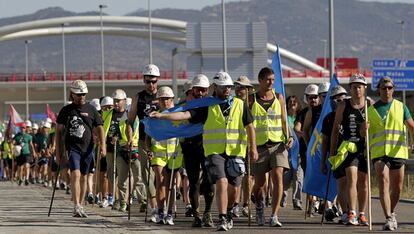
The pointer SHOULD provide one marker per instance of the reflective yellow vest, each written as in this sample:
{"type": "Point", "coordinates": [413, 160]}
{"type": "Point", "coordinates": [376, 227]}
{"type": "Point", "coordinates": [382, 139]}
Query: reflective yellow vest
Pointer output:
{"type": "Point", "coordinates": [107, 117]}
{"type": "Point", "coordinates": [268, 124]}
{"type": "Point", "coordinates": [220, 137]}
{"type": "Point", "coordinates": [7, 150]}
{"type": "Point", "coordinates": [389, 139]}
{"type": "Point", "coordinates": [164, 152]}
{"type": "Point", "coordinates": [342, 152]}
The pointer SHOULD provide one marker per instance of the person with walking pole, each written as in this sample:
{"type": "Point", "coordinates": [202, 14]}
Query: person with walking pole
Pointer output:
{"type": "Point", "coordinates": [163, 161]}
{"type": "Point", "coordinates": [337, 95]}
{"type": "Point", "coordinates": [388, 120]}
{"type": "Point", "coordinates": [78, 119]}
{"type": "Point", "coordinates": [224, 152]}
{"type": "Point", "coordinates": [351, 114]}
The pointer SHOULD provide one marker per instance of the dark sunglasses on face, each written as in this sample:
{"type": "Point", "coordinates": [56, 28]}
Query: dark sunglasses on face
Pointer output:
{"type": "Point", "coordinates": [387, 87]}
{"type": "Point", "coordinates": [151, 81]}
{"type": "Point", "coordinates": [312, 97]}
{"type": "Point", "coordinates": [80, 94]}
{"type": "Point", "coordinates": [225, 86]}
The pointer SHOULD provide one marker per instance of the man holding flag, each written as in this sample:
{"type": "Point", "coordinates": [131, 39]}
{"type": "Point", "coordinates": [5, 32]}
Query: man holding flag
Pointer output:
{"type": "Point", "coordinates": [269, 112]}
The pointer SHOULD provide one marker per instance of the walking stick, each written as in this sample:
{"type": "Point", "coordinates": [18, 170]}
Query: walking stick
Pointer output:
{"type": "Point", "coordinates": [130, 184]}
{"type": "Point", "coordinates": [368, 164]}
{"type": "Point", "coordinates": [148, 190]}
{"type": "Point", "coordinates": [97, 171]}
{"type": "Point", "coordinates": [325, 199]}
{"type": "Point", "coordinates": [249, 220]}
{"type": "Point", "coordinates": [114, 174]}
{"type": "Point", "coordinates": [55, 184]}
{"type": "Point", "coordinates": [306, 206]}
{"type": "Point", "coordinates": [172, 175]}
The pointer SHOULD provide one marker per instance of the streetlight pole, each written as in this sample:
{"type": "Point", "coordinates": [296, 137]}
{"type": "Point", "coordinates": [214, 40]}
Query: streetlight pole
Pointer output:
{"type": "Point", "coordinates": [150, 31]}
{"type": "Point", "coordinates": [26, 47]}
{"type": "Point", "coordinates": [325, 45]}
{"type": "Point", "coordinates": [223, 9]}
{"type": "Point", "coordinates": [64, 63]}
{"type": "Point", "coordinates": [402, 23]}
{"type": "Point", "coordinates": [102, 50]}
{"type": "Point", "coordinates": [331, 39]}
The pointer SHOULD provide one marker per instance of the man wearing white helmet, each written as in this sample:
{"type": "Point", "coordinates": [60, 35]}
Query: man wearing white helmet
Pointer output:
{"type": "Point", "coordinates": [25, 141]}
{"type": "Point", "coordinates": [96, 103]}
{"type": "Point", "coordinates": [224, 152]}
{"type": "Point", "coordinates": [323, 89]}
{"type": "Point", "coordinates": [337, 95]}
{"type": "Point", "coordinates": [350, 114]}
{"type": "Point", "coordinates": [76, 122]}
{"type": "Point", "coordinates": [143, 103]}
{"type": "Point", "coordinates": [166, 160]}
{"type": "Point", "coordinates": [107, 103]}
{"type": "Point", "coordinates": [41, 143]}
{"type": "Point", "coordinates": [34, 166]}
{"type": "Point", "coordinates": [194, 161]}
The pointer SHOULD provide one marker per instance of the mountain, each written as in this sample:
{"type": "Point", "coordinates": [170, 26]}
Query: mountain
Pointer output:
{"type": "Point", "coordinates": [367, 30]}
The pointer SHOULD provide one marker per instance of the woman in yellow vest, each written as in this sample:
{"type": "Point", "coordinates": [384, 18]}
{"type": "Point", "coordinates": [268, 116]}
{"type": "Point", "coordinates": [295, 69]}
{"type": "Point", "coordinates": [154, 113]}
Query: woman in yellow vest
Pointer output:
{"type": "Point", "coordinates": [388, 120]}
{"type": "Point", "coordinates": [6, 152]}
{"type": "Point", "coordinates": [166, 156]}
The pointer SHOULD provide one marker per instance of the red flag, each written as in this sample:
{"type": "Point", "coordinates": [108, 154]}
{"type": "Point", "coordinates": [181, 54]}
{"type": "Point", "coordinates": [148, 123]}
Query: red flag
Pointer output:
{"type": "Point", "coordinates": [7, 133]}
{"type": "Point", "coordinates": [15, 117]}
{"type": "Point", "coordinates": [50, 114]}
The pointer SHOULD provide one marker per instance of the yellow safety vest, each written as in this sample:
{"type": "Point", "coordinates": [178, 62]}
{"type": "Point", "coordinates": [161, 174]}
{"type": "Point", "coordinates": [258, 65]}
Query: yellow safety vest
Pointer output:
{"type": "Point", "coordinates": [7, 150]}
{"type": "Point", "coordinates": [164, 152]}
{"type": "Point", "coordinates": [107, 117]}
{"type": "Point", "coordinates": [220, 137]}
{"type": "Point", "coordinates": [268, 124]}
{"type": "Point", "coordinates": [342, 152]}
{"type": "Point", "coordinates": [389, 139]}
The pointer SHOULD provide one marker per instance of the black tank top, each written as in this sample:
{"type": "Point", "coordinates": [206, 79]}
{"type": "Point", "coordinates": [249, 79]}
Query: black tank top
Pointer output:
{"type": "Point", "coordinates": [146, 104]}
{"type": "Point", "coordinates": [351, 122]}
{"type": "Point", "coordinates": [316, 113]}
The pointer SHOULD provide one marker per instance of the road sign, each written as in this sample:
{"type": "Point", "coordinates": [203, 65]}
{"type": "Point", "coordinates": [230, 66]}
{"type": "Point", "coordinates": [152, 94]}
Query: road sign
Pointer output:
{"type": "Point", "coordinates": [401, 72]}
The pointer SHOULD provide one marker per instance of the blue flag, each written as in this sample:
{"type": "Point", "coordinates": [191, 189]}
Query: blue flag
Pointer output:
{"type": "Point", "coordinates": [166, 129]}
{"type": "Point", "coordinates": [280, 88]}
{"type": "Point", "coordinates": [315, 182]}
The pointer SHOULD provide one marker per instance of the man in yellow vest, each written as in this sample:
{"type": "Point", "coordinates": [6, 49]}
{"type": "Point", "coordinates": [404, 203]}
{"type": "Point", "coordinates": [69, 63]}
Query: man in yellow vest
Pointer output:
{"type": "Point", "coordinates": [228, 130]}
{"type": "Point", "coordinates": [268, 109]}
{"type": "Point", "coordinates": [388, 120]}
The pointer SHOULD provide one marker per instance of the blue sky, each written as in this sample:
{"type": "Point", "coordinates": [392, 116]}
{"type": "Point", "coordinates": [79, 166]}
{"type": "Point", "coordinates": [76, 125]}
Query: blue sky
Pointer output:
{"type": "Point", "coordinates": [10, 8]}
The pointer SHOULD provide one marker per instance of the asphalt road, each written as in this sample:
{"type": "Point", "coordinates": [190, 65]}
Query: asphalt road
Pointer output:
{"type": "Point", "coordinates": [23, 209]}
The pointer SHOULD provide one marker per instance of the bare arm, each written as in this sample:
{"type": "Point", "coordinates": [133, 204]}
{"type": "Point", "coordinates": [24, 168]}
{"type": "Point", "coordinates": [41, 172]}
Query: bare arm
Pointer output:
{"type": "Point", "coordinates": [335, 128]}
{"type": "Point", "coordinates": [323, 167]}
{"type": "Point", "coordinates": [101, 139]}
{"type": "Point", "coordinates": [410, 126]}
{"type": "Point", "coordinates": [285, 128]}
{"type": "Point", "coordinates": [307, 126]}
{"type": "Point", "coordinates": [176, 116]}
{"type": "Point", "coordinates": [251, 135]}
{"type": "Point", "coordinates": [59, 143]}
{"type": "Point", "coordinates": [131, 118]}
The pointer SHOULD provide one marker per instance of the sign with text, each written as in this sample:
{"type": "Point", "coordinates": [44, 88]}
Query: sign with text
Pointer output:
{"type": "Point", "coordinates": [401, 72]}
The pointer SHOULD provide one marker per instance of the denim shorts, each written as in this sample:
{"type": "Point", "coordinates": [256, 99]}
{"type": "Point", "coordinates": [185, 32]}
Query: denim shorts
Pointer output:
{"type": "Point", "coordinates": [80, 161]}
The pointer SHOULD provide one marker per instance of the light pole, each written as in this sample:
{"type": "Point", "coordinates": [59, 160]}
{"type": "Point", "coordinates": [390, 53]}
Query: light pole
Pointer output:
{"type": "Point", "coordinates": [102, 50]}
{"type": "Point", "coordinates": [223, 9]}
{"type": "Point", "coordinates": [150, 31]}
{"type": "Point", "coordinates": [331, 39]}
{"type": "Point", "coordinates": [402, 23]}
{"type": "Point", "coordinates": [64, 62]}
{"type": "Point", "coordinates": [325, 45]}
{"type": "Point", "coordinates": [26, 47]}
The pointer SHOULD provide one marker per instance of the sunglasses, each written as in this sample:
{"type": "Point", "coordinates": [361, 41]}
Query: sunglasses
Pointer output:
{"type": "Point", "coordinates": [387, 87]}
{"type": "Point", "coordinates": [80, 94]}
{"type": "Point", "coordinates": [151, 81]}
{"type": "Point", "coordinates": [225, 86]}
{"type": "Point", "coordinates": [312, 97]}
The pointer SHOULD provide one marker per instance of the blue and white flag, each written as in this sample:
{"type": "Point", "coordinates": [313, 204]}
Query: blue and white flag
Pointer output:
{"type": "Point", "coordinates": [280, 88]}
{"type": "Point", "coordinates": [315, 181]}
{"type": "Point", "coordinates": [165, 129]}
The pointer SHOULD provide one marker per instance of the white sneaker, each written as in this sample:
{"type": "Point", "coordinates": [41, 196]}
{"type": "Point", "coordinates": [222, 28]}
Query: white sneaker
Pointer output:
{"type": "Point", "coordinates": [169, 220]}
{"type": "Point", "coordinates": [389, 225]}
{"type": "Point", "coordinates": [274, 222]}
{"type": "Point", "coordinates": [235, 211]}
{"type": "Point", "coordinates": [82, 212]}
{"type": "Point", "coordinates": [154, 215]}
{"type": "Point", "coordinates": [394, 219]}
{"type": "Point", "coordinates": [104, 203]}
{"type": "Point", "coordinates": [344, 218]}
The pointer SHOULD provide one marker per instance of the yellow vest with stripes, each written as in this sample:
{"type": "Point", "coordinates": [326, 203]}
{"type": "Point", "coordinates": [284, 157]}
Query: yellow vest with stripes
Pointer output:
{"type": "Point", "coordinates": [268, 124]}
{"type": "Point", "coordinates": [107, 117]}
{"type": "Point", "coordinates": [388, 139]}
{"type": "Point", "coordinates": [164, 152]}
{"type": "Point", "coordinates": [220, 137]}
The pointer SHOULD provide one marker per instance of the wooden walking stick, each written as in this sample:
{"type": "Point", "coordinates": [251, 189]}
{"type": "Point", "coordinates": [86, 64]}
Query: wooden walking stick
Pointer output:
{"type": "Point", "coordinates": [130, 185]}
{"type": "Point", "coordinates": [249, 219]}
{"type": "Point", "coordinates": [325, 199]}
{"type": "Point", "coordinates": [97, 172]}
{"type": "Point", "coordinates": [368, 164]}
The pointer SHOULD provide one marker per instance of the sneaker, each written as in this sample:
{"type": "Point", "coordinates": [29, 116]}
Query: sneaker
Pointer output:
{"type": "Point", "coordinates": [143, 207]}
{"type": "Point", "coordinates": [97, 200]}
{"type": "Point", "coordinates": [110, 201]}
{"type": "Point", "coordinates": [197, 222]}
{"type": "Point", "coordinates": [123, 207]}
{"type": "Point", "coordinates": [343, 219]}
{"type": "Point", "coordinates": [154, 216]}
{"type": "Point", "coordinates": [76, 212]}
{"type": "Point", "coordinates": [62, 186]}
{"type": "Point", "coordinates": [283, 204]}
{"type": "Point", "coordinates": [297, 205]}
{"type": "Point", "coordinates": [208, 220]}
{"type": "Point", "coordinates": [45, 184]}
{"type": "Point", "coordinates": [160, 218]}
{"type": "Point", "coordinates": [67, 190]}
{"type": "Point", "coordinates": [352, 219]}
{"type": "Point", "coordinates": [235, 211]}
{"type": "Point", "coordinates": [90, 198]}
{"type": "Point", "coordinates": [274, 222]}
{"type": "Point", "coordinates": [363, 221]}
{"type": "Point", "coordinates": [316, 206]}
{"type": "Point", "coordinates": [329, 215]}
{"type": "Point", "coordinates": [394, 219]}
{"type": "Point", "coordinates": [169, 220]}
{"type": "Point", "coordinates": [20, 182]}
{"type": "Point", "coordinates": [389, 225]}
{"type": "Point", "coordinates": [188, 211]}
{"type": "Point", "coordinates": [245, 211]}
{"type": "Point", "coordinates": [31, 180]}
{"type": "Point", "coordinates": [26, 182]}
{"type": "Point", "coordinates": [222, 224]}
{"type": "Point", "coordinates": [116, 205]}
{"type": "Point", "coordinates": [311, 209]}
{"type": "Point", "coordinates": [336, 211]}
{"type": "Point", "coordinates": [104, 203]}
{"type": "Point", "coordinates": [83, 213]}
{"type": "Point", "coordinates": [260, 218]}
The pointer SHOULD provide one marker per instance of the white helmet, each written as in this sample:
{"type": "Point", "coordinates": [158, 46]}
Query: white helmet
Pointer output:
{"type": "Point", "coordinates": [17, 150]}
{"type": "Point", "coordinates": [28, 123]}
{"type": "Point", "coordinates": [337, 90]}
{"type": "Point", "coordinates": [222, 79]}
{"type": "Point", "coordinates": [107, 101]}
{"type": "Point", "coordinates": [78, 86]}
{"type": "Point", "coordinates": [128, 103]}
{"type": "Point", "coordinates": [49, 120]}
{"type": "Point", "coordinates": [119, 94]}
{"type": "Point", "coordinates": [357, 78]}
{"type": "Point", "coordinates": [187, 86]}
{"type": "Point", "coordinates": [311, 89]}
{"type": "Point", "coordinates": [165, 92]}
{"type": "Point", "coordinates": [201, 81]}
{"type": "Point", "coordinates": [243, 81]}
{"type": "Point", "coordinates": [47, 125]}
{"type": "Point", "coordinates": [95, 103]}
{"type": "Point", "coordinates": [35, 126]}
{"type": "Point", "coordinates": [323, 87]}
{"type": "Point", "coordinates": [151, 70]}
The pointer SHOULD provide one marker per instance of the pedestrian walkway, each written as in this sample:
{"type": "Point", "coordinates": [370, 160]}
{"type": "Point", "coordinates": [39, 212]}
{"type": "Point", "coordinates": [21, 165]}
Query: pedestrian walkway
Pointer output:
{"type": "Point", "coordinates": [23, 209]}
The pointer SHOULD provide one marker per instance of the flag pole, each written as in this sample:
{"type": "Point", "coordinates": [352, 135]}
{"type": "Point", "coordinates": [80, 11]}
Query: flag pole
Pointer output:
{"type": "Point", "coordinates": [368, 163]}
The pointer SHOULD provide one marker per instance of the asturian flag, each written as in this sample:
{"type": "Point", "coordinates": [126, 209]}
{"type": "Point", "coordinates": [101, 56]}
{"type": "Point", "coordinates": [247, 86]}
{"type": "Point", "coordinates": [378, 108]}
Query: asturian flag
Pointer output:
{"type": "Point", "coordinates": [280, 88]}
{"type": "Point", "coordinates": [15, 117]}
{"type": "Point", "coordinates": [315, 182]}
